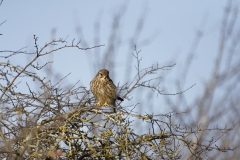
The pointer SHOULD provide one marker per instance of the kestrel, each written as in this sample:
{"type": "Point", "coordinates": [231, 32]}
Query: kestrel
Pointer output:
{"type": "Point", "coordinates": [104, 89]}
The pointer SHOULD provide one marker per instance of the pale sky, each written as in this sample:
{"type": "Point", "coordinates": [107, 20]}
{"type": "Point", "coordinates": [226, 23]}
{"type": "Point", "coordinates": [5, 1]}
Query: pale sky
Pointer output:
{"type": "Point", "coordinates": [172, 26]}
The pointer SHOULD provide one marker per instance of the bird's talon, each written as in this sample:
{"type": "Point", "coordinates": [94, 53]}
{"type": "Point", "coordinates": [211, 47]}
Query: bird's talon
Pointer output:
{"type": "Point", "coordinates": [105, 104]}
{"type": "Point", "coordinates": [98, 104]}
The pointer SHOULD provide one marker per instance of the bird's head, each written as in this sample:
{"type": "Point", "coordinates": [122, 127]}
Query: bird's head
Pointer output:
{"type": "Point", "coordinates": [103, 74]}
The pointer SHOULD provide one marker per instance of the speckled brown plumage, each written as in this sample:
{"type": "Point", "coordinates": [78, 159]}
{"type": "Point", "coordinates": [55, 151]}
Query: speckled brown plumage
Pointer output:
{"type": "Point", "coordinates": [104, 89]}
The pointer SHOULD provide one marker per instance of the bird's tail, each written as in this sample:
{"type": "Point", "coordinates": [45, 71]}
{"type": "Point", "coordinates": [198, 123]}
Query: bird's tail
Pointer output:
{"type": "Point", "coordinates": [119, 98]}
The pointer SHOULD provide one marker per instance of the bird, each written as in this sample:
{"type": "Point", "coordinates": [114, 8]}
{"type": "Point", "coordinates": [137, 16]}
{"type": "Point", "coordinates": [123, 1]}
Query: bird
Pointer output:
{"type": "Point", "coordinates": [104, 89]}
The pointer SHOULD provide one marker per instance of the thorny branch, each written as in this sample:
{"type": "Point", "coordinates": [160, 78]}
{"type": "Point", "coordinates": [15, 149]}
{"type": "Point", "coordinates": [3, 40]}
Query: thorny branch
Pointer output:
{"type": "Point", "coordinates": [51, 117]}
